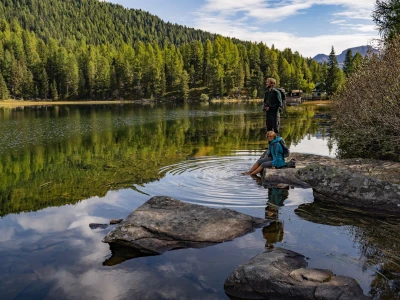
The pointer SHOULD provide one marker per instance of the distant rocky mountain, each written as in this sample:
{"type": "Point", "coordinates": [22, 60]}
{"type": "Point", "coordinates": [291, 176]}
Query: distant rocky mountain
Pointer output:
{"type": "Point", "coordinates": [363, 50]}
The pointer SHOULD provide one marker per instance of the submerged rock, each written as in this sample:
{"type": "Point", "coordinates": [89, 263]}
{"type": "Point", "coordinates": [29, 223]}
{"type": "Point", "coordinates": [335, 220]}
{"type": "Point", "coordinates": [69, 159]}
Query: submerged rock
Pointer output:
{"type": "Point", "coordinates": [163, 224]}
{"type": "Point", "coordinates": [282, 274]}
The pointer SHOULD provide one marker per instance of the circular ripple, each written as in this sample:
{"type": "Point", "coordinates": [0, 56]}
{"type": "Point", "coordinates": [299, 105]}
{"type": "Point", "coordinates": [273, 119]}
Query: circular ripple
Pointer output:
{"type": "Point", "coordinates": [211, 181]}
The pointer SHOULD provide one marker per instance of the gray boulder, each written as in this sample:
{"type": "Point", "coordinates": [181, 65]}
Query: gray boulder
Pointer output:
{"type": "Point", "coordinates": [163, 224]}
{"type": "Point", "coordinates": [332, 184]}
{"type": "Point", "coordinates": [280, 274]}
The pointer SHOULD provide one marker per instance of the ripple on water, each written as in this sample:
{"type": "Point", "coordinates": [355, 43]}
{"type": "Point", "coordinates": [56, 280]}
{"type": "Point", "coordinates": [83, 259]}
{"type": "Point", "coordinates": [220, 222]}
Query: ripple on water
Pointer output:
{"type": "Point", "coordinates": [211, 181]}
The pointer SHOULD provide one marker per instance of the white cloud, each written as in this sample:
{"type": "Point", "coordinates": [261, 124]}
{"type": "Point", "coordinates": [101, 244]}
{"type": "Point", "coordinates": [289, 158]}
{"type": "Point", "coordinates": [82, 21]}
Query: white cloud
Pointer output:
{"type": "Point", "coordinates": [307, 46]}
{"type": "Point", "coordinates": [364, 14]}
{"type": "Point", "coordinates": [271, 11]}
{"type": "Point", "coordinates": [232, 19]}
{"type": "Point", "coordinates": [359, 27]}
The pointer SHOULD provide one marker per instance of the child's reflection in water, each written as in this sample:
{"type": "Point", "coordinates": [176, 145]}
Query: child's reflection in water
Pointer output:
{"type": "Point", "coordinates": [273, 233]}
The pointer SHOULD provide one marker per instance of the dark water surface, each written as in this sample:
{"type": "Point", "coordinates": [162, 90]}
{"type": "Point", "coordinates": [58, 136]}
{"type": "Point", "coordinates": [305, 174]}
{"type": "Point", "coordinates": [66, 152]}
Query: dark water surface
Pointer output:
{"type": "Point", "coordinates": [64, 167]}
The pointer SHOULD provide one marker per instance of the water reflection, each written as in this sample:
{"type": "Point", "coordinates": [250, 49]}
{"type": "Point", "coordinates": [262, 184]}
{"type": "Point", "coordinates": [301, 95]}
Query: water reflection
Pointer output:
{"type": "Point", "coordinates": [65, 167]}
{"type": "Point", "coordinates": [273, 233]}
{"type": "Point", "coordinates": [119, 254]}
{"type": "Point", "coordinates": [376, 237]}
{"type": "Point", "coordinates": [51, 156]}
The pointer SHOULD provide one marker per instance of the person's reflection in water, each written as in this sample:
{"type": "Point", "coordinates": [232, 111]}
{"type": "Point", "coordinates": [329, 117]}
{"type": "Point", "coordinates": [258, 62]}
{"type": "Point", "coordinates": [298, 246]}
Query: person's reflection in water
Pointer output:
{"type": "Point", "coordinates": [273, 233]}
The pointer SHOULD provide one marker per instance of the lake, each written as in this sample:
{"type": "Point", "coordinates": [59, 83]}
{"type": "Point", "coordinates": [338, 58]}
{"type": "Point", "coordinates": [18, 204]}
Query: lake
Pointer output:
{"type": "Point", "coordinates": [64, 167]}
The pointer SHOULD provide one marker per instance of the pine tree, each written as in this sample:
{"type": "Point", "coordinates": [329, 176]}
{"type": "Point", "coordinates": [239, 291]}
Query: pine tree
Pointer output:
{"type": "Point", "coordinates": [348, 67]}
{"type": "Point", "coordinates": [4, 94]}
{"type": "Point", "coordinates": [43, 84]}
{"type": "Point", "coordinates": [208, 54]}
{"type": "Point", "coordinates": [334, 76]}
{"type": "Point", "coordinates": [53, 91]}
{"type": "Point", "coordinates": [184, 86]}
{"type": "Point", "coordinates": [357, 61]}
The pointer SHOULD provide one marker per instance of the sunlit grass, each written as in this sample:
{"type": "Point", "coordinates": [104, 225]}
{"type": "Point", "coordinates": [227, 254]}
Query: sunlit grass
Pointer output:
{"type": "Point", "coordinates": [319, 102]}
{"type": "Point", "coordinates": [20, 103]}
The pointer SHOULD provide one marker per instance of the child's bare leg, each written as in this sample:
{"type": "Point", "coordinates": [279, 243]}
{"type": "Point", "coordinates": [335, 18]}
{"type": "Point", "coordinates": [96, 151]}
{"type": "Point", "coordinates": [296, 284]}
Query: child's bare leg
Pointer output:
{"type": "Point", "coordinates": [257, 170]}
{"type": "Point", "coordinates": [255, 166]}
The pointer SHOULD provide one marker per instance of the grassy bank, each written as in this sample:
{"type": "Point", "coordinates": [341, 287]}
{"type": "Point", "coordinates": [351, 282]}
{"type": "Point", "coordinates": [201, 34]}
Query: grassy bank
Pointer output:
{"type": "Point", "coordinates": [19, 103]}
{"type": "Point", "coordinates": [319, 102]}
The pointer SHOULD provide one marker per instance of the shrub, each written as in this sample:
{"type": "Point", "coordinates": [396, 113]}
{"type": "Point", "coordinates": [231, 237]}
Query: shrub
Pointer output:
{"type": "Point", "coordinates": [367, 108]}
{"type": "Point", "coordinates": [204, 97]}
{"type": "Point", "coordinates": [254, 94]}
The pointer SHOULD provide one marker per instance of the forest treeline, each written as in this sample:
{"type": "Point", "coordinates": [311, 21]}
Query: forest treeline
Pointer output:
{"type": "Point", "coordinates": [75, 49]}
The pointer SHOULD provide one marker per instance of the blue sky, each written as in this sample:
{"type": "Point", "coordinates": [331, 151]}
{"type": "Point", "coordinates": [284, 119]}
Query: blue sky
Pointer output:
{"type": "Point", "coordinates": [307, 26]}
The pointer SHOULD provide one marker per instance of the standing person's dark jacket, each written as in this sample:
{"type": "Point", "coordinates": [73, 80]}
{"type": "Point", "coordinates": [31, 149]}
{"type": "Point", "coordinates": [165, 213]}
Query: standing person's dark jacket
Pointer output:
{"type": "Point", "coordinates": [273, 99]}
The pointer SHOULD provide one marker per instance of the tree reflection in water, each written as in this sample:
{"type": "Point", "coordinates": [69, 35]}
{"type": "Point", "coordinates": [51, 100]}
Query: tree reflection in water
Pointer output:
{"type": "Point", "coordinates": [376, 236]}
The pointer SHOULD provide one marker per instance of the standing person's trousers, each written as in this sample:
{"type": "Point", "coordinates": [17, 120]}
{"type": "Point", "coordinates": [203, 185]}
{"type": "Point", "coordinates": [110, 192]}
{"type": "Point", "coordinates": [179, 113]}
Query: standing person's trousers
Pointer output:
{"type": "Point", "coordinates": [273, 121]}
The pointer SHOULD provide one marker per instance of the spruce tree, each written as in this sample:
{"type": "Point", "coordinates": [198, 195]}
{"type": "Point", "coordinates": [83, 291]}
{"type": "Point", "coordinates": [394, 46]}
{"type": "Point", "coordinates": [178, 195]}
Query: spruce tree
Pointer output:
{"type": "Point", "coordinates": [333, 77]}
{"type": "Point", "coordinates": [4, 94]}
{"type": "Point", "coordinates": [348, 67]}
{"type": "Point", "coordinates": [184, 86]}
{"type": "Point", "coordinates": [54, 92]}
{"type": "Point", "coordinates": [357, 61]}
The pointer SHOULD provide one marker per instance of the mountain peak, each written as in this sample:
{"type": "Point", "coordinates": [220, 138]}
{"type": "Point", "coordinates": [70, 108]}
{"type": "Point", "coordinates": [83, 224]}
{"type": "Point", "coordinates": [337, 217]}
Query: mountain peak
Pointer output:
{"type": "Point", "coordinates": [363, 50]}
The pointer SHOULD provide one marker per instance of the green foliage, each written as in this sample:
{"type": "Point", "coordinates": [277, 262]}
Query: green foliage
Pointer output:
{"type": "Point", "coordinates": [334, 76]}
{"type": "Point", "coordinates": [98, 50]}
{"type": "Point", "coordinates": [4, 94]}
{"type": "Point", "coordinates": [184, 86]}
{"type": "Point", "coordinates": [204, 97]}
{"type": "Point", "coordinates": [348, 67]}
{"type": "Point", "coordinates": [386, 15]}
{"type": "Point", "coordinates": [254, 94]}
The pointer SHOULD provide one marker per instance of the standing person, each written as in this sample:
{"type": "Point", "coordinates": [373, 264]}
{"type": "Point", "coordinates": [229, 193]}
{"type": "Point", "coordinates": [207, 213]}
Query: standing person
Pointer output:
{"type": "Point", "coordinates": [272, 106]}
{"type": "Point", "coordinates": [274, 157]}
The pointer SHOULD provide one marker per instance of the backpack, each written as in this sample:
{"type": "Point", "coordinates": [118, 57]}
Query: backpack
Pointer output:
{"type": "Point", "coordinates": [283, 96]}
{"type": "Point", "coordinates": [286, 151]}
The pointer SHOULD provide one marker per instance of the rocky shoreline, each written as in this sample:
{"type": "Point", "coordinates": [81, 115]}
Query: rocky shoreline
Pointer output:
{"type": "Point", "coordinates": [371, 185]}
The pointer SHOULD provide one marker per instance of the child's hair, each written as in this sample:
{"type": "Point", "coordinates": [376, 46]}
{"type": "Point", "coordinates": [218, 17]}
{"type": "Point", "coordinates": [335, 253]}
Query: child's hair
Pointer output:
{"type": "Point", "coordinates": [271, 133]}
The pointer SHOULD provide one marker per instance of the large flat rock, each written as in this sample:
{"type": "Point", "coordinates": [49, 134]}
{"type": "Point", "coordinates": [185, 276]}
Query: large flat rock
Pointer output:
{"type": "Point", "coordinates": [332, 184]}
{"type": "Point", "coordinates": [283, 274]}
{"type": "Point", "coordinates": [163, 224]}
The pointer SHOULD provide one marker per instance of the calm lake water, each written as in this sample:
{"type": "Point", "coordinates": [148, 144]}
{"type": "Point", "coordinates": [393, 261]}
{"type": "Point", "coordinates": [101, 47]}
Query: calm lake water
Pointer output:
{"type": "Point", "coordinates": [63, 167]}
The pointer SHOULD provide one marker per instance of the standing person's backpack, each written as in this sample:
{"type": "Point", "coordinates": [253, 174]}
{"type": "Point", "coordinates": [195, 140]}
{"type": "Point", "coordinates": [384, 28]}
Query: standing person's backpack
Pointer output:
{"type": "Point", "coordinates": [283, 96]}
